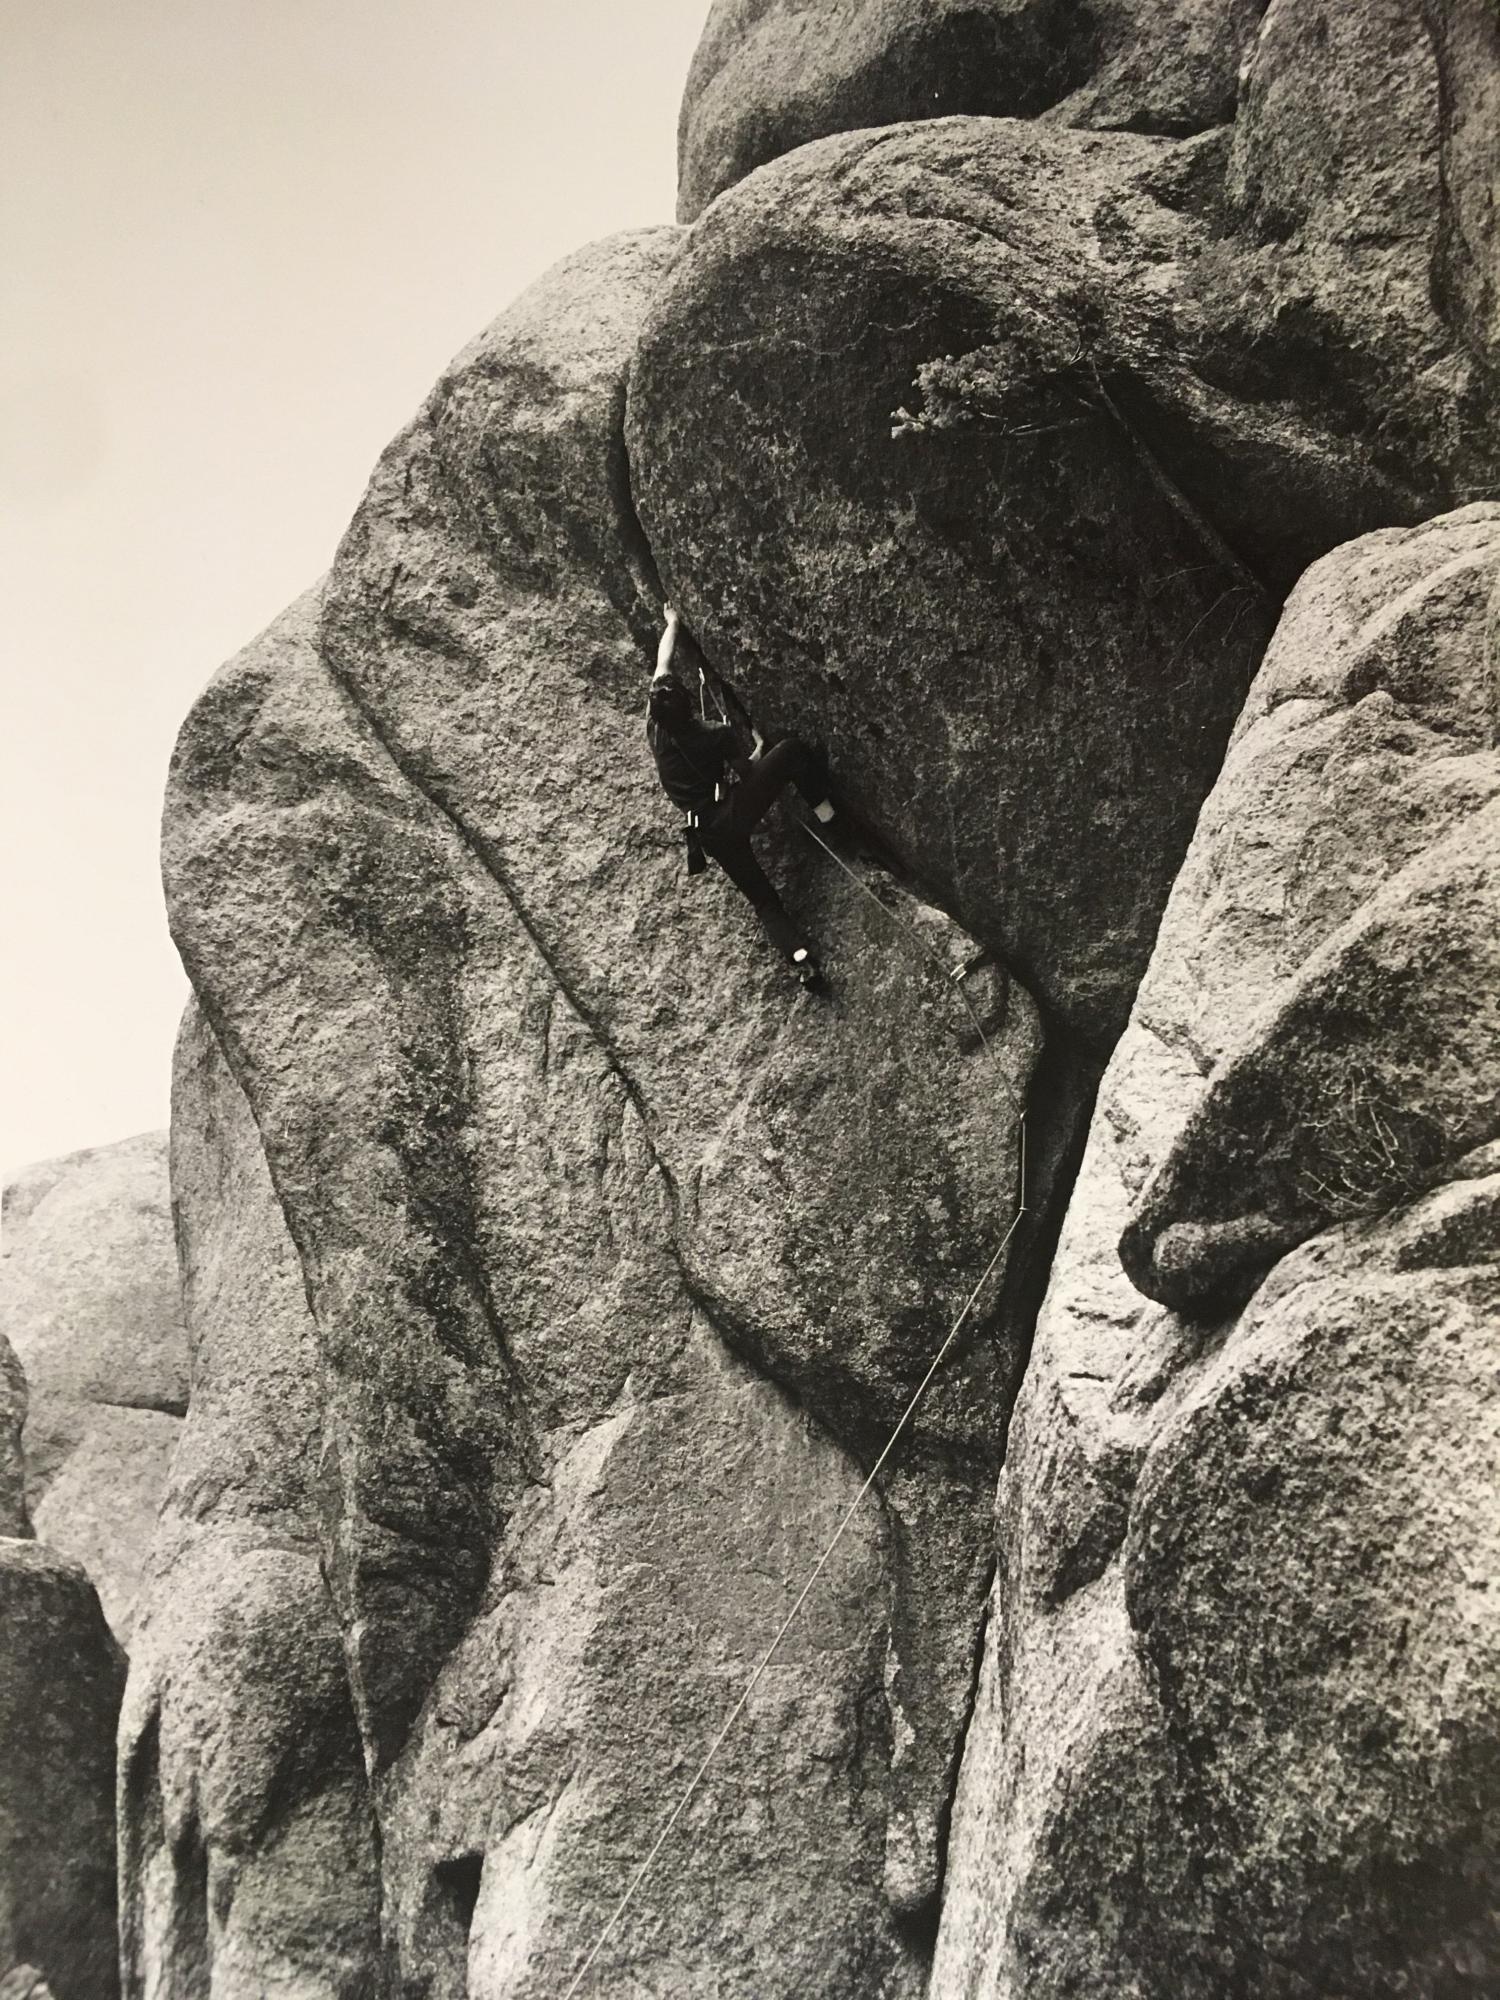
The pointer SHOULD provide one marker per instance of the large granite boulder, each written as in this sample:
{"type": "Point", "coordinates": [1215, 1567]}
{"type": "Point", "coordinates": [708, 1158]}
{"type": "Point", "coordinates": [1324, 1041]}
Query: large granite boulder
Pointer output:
{"type": "Point", "coordinates": [989, 448]}
{"type": "Point", "coordinates": [919, 441]}
{"type": "Point", "coordinates": [61, 1675]}
{"type": "Point", "coordinates": [1238, 1729]}
{"type": "Point", "coordinates": [1369, 132]}
{"type": "Point", "coordinates": [770, 75]}
{"type": "Point", "coordinates": [90, 1302]}
{"type": "Point", "coordinates": [623, 1258]}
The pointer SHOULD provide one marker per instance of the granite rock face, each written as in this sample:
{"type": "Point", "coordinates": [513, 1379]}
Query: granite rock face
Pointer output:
{"type": "Point", "coordinates": [622, 1255]}
{"type": "Point", "coordinates": [91, 1303]}
{"type": "Point", "coordinates": [1361, 139]}
{"type": "Point", "coordinates": [556, 1270]}
{"type": "Point", "coordinates": [1238, 1728]}
{"type": "Point", "coordinates": [876, 444]}
{"type": "Point", "coordinates": [61, 1675]}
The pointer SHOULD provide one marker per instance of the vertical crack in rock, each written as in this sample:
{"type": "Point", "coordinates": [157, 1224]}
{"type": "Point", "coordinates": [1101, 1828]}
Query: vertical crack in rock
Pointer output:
{"type": "Point", "coordinates": [1059, 1107]}
{"type": "Point", "coordinates": [915, 1878]}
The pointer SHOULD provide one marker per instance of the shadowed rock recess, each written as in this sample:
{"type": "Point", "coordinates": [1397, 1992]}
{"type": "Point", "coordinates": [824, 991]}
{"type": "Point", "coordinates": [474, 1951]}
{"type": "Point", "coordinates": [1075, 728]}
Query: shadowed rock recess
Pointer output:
{"type": "Point", "coordinates": [555, 1271]}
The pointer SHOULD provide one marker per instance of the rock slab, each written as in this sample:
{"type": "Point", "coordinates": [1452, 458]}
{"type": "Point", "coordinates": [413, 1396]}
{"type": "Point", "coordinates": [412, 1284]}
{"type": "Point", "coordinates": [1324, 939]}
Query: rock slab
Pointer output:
{"type": "Point", "coordinates": [622, 1257]}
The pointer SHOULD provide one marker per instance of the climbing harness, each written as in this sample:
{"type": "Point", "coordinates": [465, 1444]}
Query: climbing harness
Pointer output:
{"type": "Point", "coordinates": [953, 976]}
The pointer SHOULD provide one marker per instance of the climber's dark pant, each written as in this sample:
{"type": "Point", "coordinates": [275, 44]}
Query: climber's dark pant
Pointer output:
{"type": "Point", "coordinates": [727, 835]}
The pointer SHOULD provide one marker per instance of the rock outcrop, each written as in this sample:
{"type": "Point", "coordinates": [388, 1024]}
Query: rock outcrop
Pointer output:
{"type": "Point", "coordinates": [91, 1303]}
{"type": "Point", "coordinates": [61, 1674]}
{"type": "Point", "coordinates": [989, 448]}
{"type": "Point", "coordinates": [879, 442]}
{"type": "Point", "coordinates": [1238, 1729]}
{"type": "Point", "coordinates": [556, 1272]}
{"type": "Point", "coordinates": [622, 1258]}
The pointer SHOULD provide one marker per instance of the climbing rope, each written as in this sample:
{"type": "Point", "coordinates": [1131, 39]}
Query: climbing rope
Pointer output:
{"type": "Point", "coordinates": [806, 1591]}
{"type": "Point", "coordinates": [930, 958]}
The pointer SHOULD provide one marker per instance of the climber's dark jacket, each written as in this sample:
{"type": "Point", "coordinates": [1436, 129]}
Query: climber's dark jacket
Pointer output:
{"type": "Point", "coordinates": [691, 763]}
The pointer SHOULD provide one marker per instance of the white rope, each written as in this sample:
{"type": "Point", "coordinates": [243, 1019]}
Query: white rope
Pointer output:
{"type": "Point", "coordinates": [786, 1624]}
{"type": "Point", "coordinates": [929, 956]}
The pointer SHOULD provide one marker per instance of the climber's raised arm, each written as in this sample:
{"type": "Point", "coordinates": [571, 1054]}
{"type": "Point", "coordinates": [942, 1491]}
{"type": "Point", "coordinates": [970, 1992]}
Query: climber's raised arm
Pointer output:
{"type": "Point", "coordinates": [668, 644]}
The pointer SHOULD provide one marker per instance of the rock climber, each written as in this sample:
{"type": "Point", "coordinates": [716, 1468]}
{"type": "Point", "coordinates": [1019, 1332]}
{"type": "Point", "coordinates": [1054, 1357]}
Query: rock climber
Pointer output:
{"type": "Point", "coordinates": [724, 795]}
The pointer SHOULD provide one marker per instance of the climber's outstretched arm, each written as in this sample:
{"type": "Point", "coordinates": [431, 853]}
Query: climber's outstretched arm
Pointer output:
{"type": "Point", "coordinates": [668, 643]}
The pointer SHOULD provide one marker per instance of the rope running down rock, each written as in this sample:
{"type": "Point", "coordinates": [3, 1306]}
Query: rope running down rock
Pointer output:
{"type": "Point", "coordinates": [786, 1625]}
{"type": "Point", "coordinates": [838, 1535]}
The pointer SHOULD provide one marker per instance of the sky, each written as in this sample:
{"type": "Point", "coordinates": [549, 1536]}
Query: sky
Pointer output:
{"type": "Point", "coordinates": [238, 241]}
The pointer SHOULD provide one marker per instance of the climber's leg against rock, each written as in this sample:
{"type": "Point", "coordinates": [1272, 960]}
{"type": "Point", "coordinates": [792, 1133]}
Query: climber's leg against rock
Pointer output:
{"type": "Point", "coordinates": [789, 762]}
{"type": "Point", "coordinates": [732, 850]}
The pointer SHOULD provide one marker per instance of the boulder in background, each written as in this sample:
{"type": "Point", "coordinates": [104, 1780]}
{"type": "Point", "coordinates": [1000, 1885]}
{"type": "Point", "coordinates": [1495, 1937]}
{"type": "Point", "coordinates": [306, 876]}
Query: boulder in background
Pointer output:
{"type": "Point", "coordinates": [91, 1303]}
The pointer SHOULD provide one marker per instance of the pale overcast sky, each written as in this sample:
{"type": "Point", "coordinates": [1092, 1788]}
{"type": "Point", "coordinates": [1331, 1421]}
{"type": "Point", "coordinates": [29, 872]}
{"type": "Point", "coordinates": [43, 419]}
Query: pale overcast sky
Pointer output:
{"type": "Point", "coordinates": [238, 241]}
